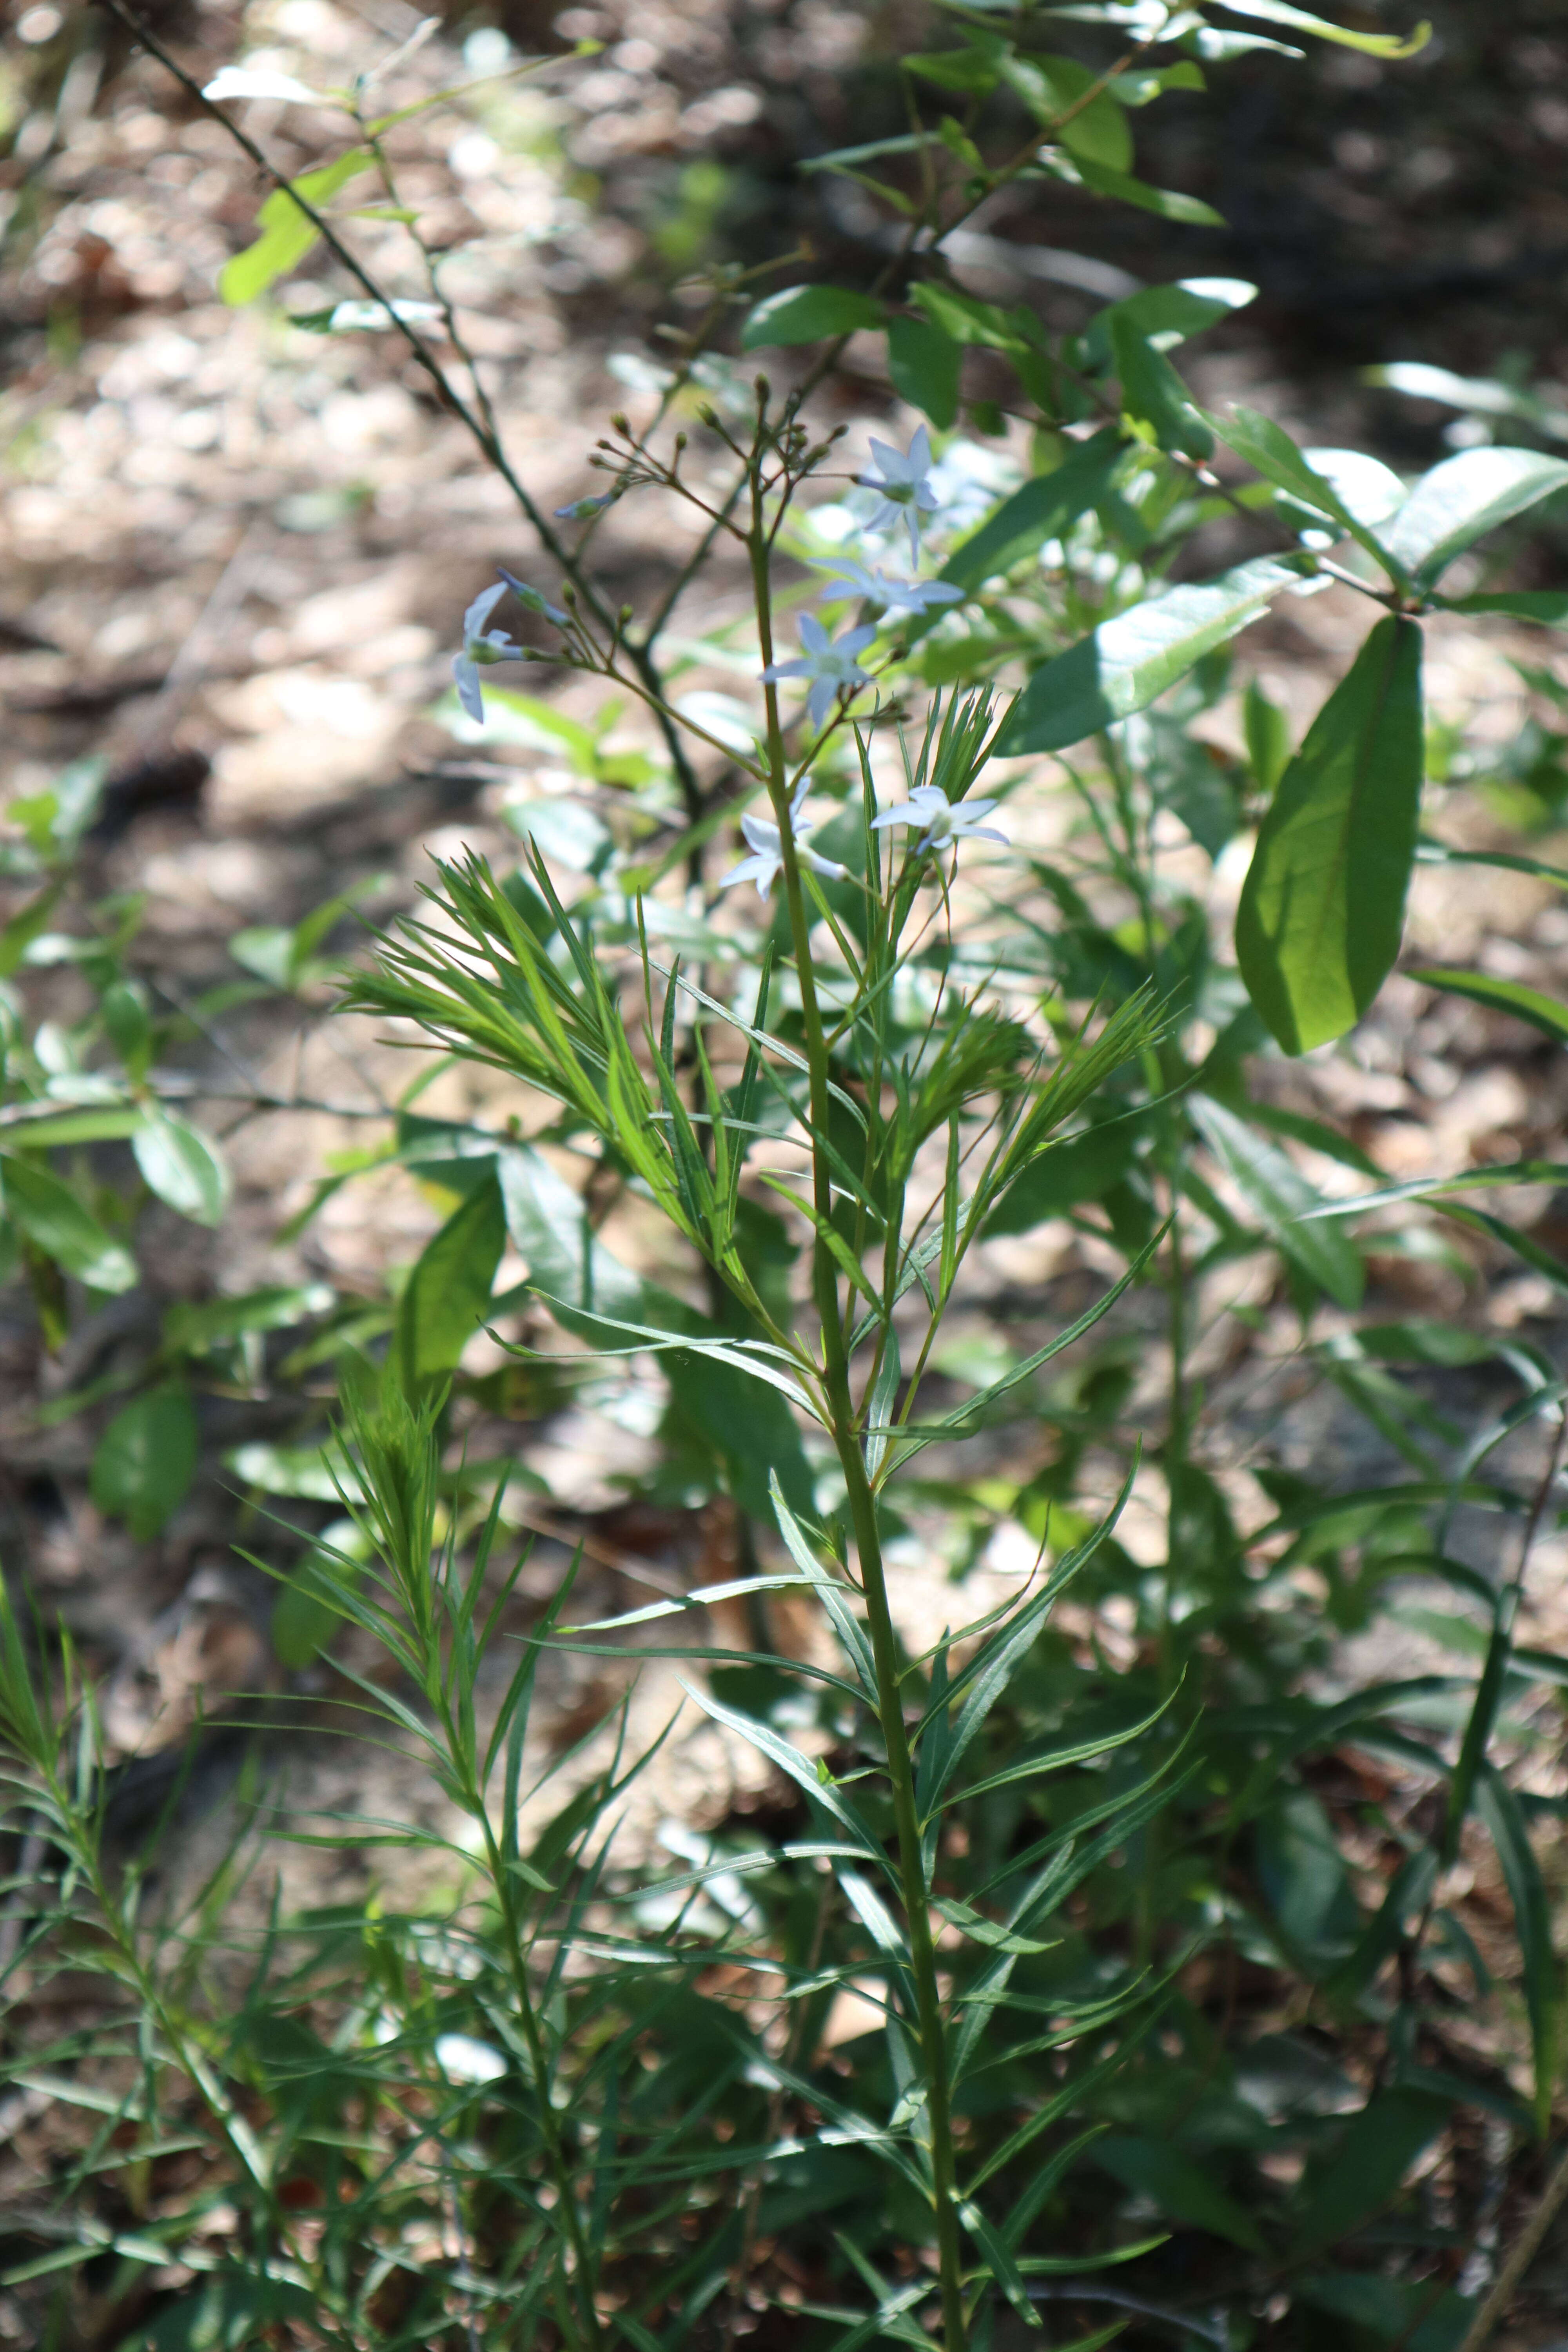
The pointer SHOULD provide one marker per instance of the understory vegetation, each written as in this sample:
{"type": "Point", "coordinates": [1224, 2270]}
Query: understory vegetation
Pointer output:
{"type": "Point", "coordinates": [1126, 1900]}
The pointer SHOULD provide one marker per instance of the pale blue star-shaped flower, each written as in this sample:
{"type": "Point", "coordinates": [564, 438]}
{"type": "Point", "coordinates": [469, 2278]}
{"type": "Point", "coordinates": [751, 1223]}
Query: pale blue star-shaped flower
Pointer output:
{"type": "Point", "coordinates": [881, 588]}
{"type": "Point", "coordinates": [766, 861]}
{"type": "Point", "coordinates": [904, 484]}
{"type": "Point", "coordinates": [482, 648]}
{"type": "Point", "coordinates": [830, 666]}
{"type": "Point", "coordinates": [941, 823]}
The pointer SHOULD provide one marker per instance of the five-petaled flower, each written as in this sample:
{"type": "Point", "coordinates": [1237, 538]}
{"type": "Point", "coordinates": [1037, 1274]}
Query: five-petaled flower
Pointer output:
{"type": "Point", "coordinates": [881, 588]}
{"type": "Point", "coordinates": [905, 486]}
{"type": "Point", "coordinates": [829, 665]}
{"type": "Point", "coordinates": [766, 861]}
{"type": "Point", "coordinates": [483, 646]}
{"type": "Point", "coordinates": [939, 821]}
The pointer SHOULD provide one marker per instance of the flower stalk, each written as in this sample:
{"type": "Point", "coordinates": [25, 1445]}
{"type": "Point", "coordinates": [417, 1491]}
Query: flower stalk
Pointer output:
{"type": "Point", "coordinates": [931, 2024]}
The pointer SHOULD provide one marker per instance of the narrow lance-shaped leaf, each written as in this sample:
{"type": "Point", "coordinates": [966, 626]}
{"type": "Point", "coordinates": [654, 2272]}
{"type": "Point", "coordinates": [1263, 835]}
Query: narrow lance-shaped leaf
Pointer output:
{"type": "Point", "coordinates": [1046, 507]}
{"type": "Point", "coordinates": [1276, 1190]}
{"type": "Point", "coordinates": [1499, 1810]}
{"type": "Point", "coordinates": [1269, 449]}
{"type": "Point", "coordinates": [1375, 45]}
{"type": "Point", "coordinates": [1322, 910]}
{"type": "Point", "coordinates": [1464, 497]}
{"type": "Point", "coordinates": [1543, 1013]}
{"type": "Point", "coordinates": [808, 314]}
{"type": "Point", "coordinates": [1126, 662]}
{"type": "Point", "coordinates": [288, 232]}
{"type": "Point", "coordinates": [58, 1223]}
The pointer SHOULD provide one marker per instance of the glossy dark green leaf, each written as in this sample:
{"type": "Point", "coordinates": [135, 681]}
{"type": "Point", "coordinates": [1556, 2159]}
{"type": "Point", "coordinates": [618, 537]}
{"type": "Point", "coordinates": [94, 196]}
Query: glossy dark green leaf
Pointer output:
{"type": "Point", "coordinates": [1170, 203]}
{"type": "Point", "coordinates": [925, 364]}
{"type": "Point", "coordinates": [808, 314]}
{"type": "Point", "coordinates": [1047, 506]}
{"type": "Point", "coordinates": [1463, 498]}
{"type": "Point", "coordinates": [1128, 661]}
{"type": "Point", "coordinates": [1267, 447]}
{"type": "Point", "coordinates": [144, 1462]}
{"type": "Point", "coordinates": [445, 1296]}
{"type": "Point", "coordinates": [1322, 910]}
{"type": "Point", "coordinates": [1543, 1013]}
{"type": "Point", "coordinates": [1153, 395]}
{"type": "Point", "coordinates": [1166, 315]}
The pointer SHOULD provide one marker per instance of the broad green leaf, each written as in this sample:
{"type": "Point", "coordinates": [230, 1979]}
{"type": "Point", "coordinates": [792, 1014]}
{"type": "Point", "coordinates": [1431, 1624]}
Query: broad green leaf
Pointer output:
{"type": "Point", "coordinates": [58, 1223]}
{"type": "Point", "coordinates": [1464, 497]}
{"type": "Point", "coordinates": [1322, 910]}
{"type": "Point", "coordinates": [1046, 507]}
{"type": "Point", "coordinates": [925, 364]}
{"type": "Point", "coordinates": [1374, 45]}
{"type": "Point", "coordinates": [287, 231]}
{"type": "Point", "coordinates": [1168, 202]}
{"type": "Point", "coordinates": [183, 1167]}
{"type": "Point", "coordinates": [1052, 87]}
{"type": "Point", "coordinates": [808, 314]}
{"type": "Point", "coordinates": [1128, 662]}
{"type": "Point", "coordinates": [1281, 1196]}
{"type": "Point", "coordinates": [1543, 1013]}
{"type": "Point", "coordinates": [146, 1460]}
{"type": "Point", "coordinates": [971, 322]}
{"type": "Point", "coordinates": [1269, 449]}
{"type": "Point", "coordinates": [1352, 2183]}
{"type": "Point", "coordinates": [445, 1299]}
{"type": "Point", "coordinates": [1178, 2184]}
{"type": "Point", "coordinates": [1500, 1811]}
{"type": "Point", "coordinates": [1153, 395]}
{"type": "Point", "coordinates": [1166, 315]}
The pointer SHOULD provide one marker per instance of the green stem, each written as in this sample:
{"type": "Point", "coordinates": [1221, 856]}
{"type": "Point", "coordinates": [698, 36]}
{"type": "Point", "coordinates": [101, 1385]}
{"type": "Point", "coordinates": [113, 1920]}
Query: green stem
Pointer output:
{"type": "Point", "coordinates": [931, 2026]}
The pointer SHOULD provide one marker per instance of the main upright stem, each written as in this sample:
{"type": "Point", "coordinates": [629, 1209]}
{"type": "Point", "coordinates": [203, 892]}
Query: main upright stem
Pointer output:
{"type": "Point", "coordinates": [930, 2024]}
